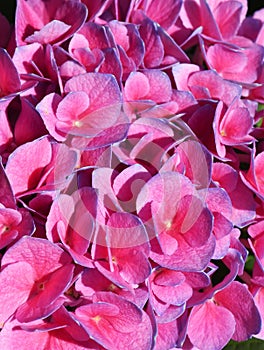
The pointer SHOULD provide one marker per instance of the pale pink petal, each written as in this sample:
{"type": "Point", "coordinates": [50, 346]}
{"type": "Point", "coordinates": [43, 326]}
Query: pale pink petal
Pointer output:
{"type": "Point", "coordinates": [136, 86]}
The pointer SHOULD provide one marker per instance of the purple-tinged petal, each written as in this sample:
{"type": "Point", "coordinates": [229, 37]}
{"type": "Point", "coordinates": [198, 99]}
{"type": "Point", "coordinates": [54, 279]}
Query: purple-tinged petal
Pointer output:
{"type": "Point", "coordinates": [154, 51]}
{"type": "Point", "coordinates": [32, 16]}
{"type": "Point", "coordinates": [6, 194]}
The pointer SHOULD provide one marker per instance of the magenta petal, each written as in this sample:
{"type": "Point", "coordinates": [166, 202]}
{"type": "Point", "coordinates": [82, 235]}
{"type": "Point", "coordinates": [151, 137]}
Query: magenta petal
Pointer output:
{"type": "Point", "coordinates": [45, 301]}
{"type": "Point", "coordinates": [32, 250]}
{"type": "Point", "coordinates": [227, 15]}
{"type": "Point", "coordinates": [32, 16]}
{"type": "Point", "coordinates": [72, 13]}
{"type": "Point", "coordinates": [242, 307]}
{"type": "Point", "coordinates": [29, 125]}
{"type": "Point", "coordinates": [210, 326]}
{"type": "Point", "coordinates": [6, 29]}
{"type": "Point", "coordinates": [10, 81]}
{"type": "Point", "coordinates": [112, 321]}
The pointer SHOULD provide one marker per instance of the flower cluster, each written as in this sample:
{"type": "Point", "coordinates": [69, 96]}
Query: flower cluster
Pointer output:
{"type": "Point", "coordinates": [131, 175]}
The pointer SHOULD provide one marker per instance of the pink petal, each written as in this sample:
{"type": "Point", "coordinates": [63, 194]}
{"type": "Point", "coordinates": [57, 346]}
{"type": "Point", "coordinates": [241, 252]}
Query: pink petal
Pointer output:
{"type": "Point", "coordinates": [73, 105]}
{"type": "Point", "coordinates": [171, 288]}
{"type": "Point", "coordinates": [125, 230]}
{"type": "Point", "coordinates": [160, 86]}
{"type": "Point", "coordinates": [259, 301]}
{"type": "Point", "coordinates": [51, 334]}
{"type": "Point", "coordinates": [244, 205]}
{"type": "Point", "coordinates": [47, 108]}
{"type": "Point", "coordinates": [45, 301]}
{"type": "Point", "coordinates": [16, 281]}
{"type": "Point", "coordinates": [116, 329]}
{"type": "Point", "coordinates": [210, 326]}
{"type": "Point", "coordinates": [23, 170]}
{"type": "Point", "coordinates": [102, 112]}
{"type": "Point", "coordinates": [186, 257]}
{"type": "Point", "coordinates": [133, 264]}
{"type": "Point", "coordinates": [195, 14]}
{"type": "Point", "coordinates": [102, 89]}
{"type": "Point", "coordinates": [164, 14]}
{"type": "Point", "coordinates": [136, 86]}
{"type": "Point", "coordinates": [230, 127]}
{"type": "Point", "coordinates": [181, 73]}
{"type": "Point", "coordinates": [218, 88]}
{"type": "Point", "coordinates": [227, 16]}
{"type": "Point", "coordinates": [238, 65]}
{"type": "Point", "coordinates": [246, 314]}
{"type": "Point", "coordinates": [44, 256]}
